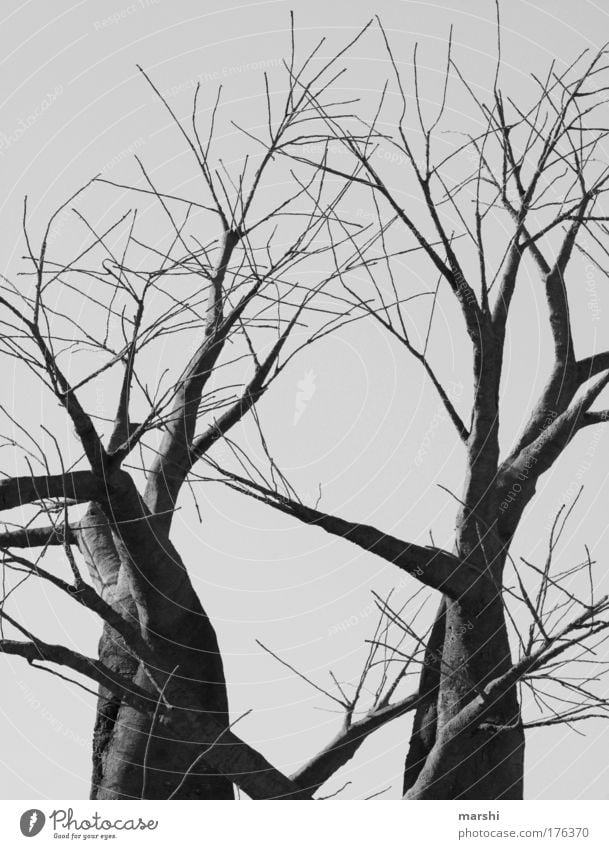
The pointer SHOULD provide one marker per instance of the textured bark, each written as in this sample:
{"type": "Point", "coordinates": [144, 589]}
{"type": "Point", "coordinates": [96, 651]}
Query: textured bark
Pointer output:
{"type": "Point", "coordinates": [469, 645]}
{"type": "Point", "coordinates": [135, 760]}
{"type": "Point", "coordinates": [468, 648]}
{"type": "Point", "coordinates": [347, 742]}
{"type": "Point", "coordinates": [489, 765]}
{"type": "Point", "coordinates": [131, 759]}
{"type": "Point", "coordinates": [423, 734]}
{"type": "Point", "coordinates": [465, 652]}
{"type": "Point", "coordinates": [483, 763]}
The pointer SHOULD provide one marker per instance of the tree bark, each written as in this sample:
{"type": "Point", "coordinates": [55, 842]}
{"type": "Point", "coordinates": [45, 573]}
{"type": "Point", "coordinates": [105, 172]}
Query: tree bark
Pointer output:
{"type": "Point", "coordinates": [467, 649]}
{"type": "Point", "coordinates": [424, 727]}
{"type": "Point", "coordinates": [130, 758]}
{"type": "Point", "coordinates": [133, 759]}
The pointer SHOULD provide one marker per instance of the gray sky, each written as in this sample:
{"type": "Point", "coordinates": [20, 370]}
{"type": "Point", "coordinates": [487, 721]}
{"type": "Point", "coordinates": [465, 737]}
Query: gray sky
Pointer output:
{"type": "Point", "coordinates": [366, 425]}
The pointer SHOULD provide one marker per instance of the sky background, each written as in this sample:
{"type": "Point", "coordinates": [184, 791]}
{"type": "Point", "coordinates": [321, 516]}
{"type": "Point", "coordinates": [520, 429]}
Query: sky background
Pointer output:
{"type": "Point", "coordinates": [370, 430]}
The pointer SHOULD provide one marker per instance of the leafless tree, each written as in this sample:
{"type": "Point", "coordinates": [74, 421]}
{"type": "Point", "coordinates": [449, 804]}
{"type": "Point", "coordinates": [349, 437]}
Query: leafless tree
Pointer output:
{"type": "Point", "coordinates": [512, 196]}
{"type": "Point", "coordinates": [163, 728]}
{"type": "Point", "coordinates": [229, 278]}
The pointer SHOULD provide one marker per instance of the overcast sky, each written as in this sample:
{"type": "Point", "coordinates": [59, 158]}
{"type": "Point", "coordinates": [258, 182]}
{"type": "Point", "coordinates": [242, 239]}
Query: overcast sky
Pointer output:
{"type": "Point", "coordinates": [353, 414]}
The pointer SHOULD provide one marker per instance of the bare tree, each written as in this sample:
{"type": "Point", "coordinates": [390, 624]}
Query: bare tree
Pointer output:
{"type": "Point", "coordinates": [245, 302]}
{"type": "Point", "coordinates": [229, 277]}
{"type": "Point", "coordinates": [516, 195]}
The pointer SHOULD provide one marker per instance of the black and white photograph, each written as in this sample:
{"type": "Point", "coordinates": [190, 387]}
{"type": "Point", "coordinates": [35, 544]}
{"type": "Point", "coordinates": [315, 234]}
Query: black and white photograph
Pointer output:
{"type": "Point", "coordinates": [304, 422]}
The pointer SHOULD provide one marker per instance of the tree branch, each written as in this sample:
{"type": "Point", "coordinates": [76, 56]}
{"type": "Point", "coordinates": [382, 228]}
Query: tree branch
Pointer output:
{"type": "Point", "coordinates": [432, 566]}
{"type": "Point", "coordinates": [252, 394]}
{"type": "Point", "coordinates": [77, 486]}
{"type": "Point", "coordinates": [174, 461]}
{"type": "Point", "coordinates": [37, 537]}
{"type": "Point", "coordinates": [230, 755]}
{"type": "Point", "coordinates": [344, 746]}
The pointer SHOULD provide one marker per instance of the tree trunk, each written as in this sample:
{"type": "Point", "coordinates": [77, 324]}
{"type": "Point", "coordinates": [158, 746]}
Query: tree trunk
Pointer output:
{"type": "Point", "coordinates": [486, 762]}
{"type": "Point", "coordinates": [424, 727]}
{"type": "Point", "coordinates": [131, 759]}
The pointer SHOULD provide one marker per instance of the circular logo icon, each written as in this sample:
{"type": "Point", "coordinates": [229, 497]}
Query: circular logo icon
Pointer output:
{"type": "Point", "coordinates": [32, 822]}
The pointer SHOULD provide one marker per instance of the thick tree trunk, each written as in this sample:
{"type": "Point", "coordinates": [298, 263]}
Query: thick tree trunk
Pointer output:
{"type": "Point", "coordinates": [490, 761]}
{"type": "Point", "coordinates": [424, 726]}
{"type": "Point", "coordinates": [131, 759]}
{"type": "Point", "coordinates": [484, 762]}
